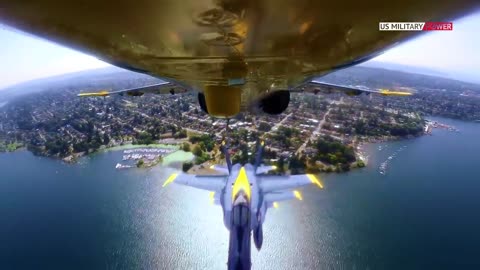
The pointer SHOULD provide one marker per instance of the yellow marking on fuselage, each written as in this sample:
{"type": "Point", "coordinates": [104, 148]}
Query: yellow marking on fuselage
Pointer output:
{"type": "Point", "coordinates": [212, 197]}
{"type": "Point", "coordinates": [241, 183]}
{"type": "Point", "coordinates": [170, 179]}
{"type": "Point", "coordinates": [315, 180]}
{"type": "Point", "coordinates": [298, 195]}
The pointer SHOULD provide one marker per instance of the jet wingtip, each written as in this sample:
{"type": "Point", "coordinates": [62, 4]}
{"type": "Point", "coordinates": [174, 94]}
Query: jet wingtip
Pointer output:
{"type": "Point", "coordinates": [298, 195]}
{"type": "Point", "coordinates": [387, 92]}
{"type": "Point", "coordinates": [315, 180]}
{"type": "Point", "coordinates": [170, 179]}
{"type": "Point", "coordinates": [94, 94]}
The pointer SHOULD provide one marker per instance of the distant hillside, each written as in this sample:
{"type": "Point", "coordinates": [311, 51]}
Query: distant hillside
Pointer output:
{"type": "Point", "coordinates": [465, 75]}
{"type": "Point", "coordinates": [94, 79]}
{"type": "Point", "coordinates": [384, 78]}
{"type": "Point", "coordinates": [406, 68]}
{"type": "Point", "coordinates": [114, 78]}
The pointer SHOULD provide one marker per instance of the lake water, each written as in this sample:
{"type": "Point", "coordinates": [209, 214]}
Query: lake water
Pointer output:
{"type": "Point", "coordinates": [424, 213]}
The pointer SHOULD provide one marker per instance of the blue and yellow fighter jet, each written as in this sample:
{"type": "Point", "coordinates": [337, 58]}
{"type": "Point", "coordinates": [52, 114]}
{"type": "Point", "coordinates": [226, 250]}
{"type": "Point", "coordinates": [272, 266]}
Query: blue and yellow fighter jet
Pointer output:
{"type": "Point", "coordinates": [245, 193]}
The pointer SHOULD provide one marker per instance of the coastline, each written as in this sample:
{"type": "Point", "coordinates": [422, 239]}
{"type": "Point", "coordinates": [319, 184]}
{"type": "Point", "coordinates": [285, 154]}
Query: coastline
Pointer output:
{"type": "Point", "coordinates": [74, 157]}
{"type": "Point", "coordinates": [361, 151]}
{"type": "Point", "coordinates": [134, 146]}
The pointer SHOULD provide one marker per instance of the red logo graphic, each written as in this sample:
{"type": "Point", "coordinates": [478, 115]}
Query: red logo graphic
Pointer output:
{"type": "Point", "coordinates": [438, 26]}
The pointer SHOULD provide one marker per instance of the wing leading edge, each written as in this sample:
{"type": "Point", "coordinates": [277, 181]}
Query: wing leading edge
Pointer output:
{"type": "Point", "coordinates": [324, 87]}
{"type": "Point", "coordinates": [206, 182]}
{"type": "Point", "coordinates": [282, 188]}
{"type": "Point", "coordinates": [193, 41]}
{"type": "Point", "coordinates": [159, 88]}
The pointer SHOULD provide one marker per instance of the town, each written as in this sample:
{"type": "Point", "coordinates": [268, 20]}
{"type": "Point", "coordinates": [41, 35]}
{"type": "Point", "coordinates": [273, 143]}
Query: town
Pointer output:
{"type": "Point", "coordinates": [316, 133]}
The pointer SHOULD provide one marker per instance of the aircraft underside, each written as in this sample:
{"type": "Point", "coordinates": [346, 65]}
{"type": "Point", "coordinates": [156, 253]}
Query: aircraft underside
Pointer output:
{"type": "Point", "coordinates": [235, 52]}
{"type": "Point", "coordinates": [239, 250]}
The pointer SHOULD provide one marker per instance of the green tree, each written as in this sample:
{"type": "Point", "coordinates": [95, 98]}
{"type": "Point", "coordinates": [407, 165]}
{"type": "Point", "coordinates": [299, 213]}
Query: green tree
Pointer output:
{"type": "Point", "coordinates": [360, 164]}
{"type": "Point", "coordinates": [106, 139]}
{"type": "Point", "coordinates": [197, 151]}
{"type": "Point", "coordinates": [181, 134]}
{"type": "Point", "coordinates": [281, 165]}
{"type": "Point", "coordinates": [297, 165]}
{"type": "Point", "coordinates": [144, 138]}
{"type": "Point", "coordinates": [187, 166]}
{"type": "Point", "coordinates": [186, 147]}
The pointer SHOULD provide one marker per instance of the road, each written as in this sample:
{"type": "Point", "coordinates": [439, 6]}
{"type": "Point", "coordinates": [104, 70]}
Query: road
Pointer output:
{"type": "Point", "coordinates": [315, 133]}
{"type": "Point", "coordinates": [277, 125]}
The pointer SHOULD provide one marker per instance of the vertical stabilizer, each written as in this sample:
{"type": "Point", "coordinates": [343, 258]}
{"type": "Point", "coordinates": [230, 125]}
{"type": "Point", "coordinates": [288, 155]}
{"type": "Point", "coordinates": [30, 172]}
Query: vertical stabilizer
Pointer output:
{"type": "Point", "coordinates": [258, 155]}
{"type": "Point", "coordinates": [226, 153]}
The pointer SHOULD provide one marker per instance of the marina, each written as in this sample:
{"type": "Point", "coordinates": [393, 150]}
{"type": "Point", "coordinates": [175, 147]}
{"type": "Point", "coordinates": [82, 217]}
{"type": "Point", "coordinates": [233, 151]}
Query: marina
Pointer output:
{"type": "Point", "coordinates": [431, 124]}
{"type": "Point", "coordinates": [145, 157]}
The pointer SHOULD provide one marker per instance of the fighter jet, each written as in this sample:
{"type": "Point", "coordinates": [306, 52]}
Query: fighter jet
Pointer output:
{"type": "Point", "coordinates": [237, 55]}
{"type": "Point", "coordinates": [245, 193]}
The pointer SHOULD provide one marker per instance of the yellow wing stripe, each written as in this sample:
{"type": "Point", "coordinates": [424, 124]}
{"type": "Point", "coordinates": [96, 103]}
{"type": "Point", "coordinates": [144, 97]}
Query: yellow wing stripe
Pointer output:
{"type": "Point", "coordinates": [315, 180]}
{"type": "Point", "coordinates": [170, 179]}
{"type": "Point", "coordinates": [298, 195]}
{"type": "Point", "coordinates": [212, 197]}
{"type": "Point", "coordinates": [95, 94]}
{"type": "Point", "coordinates": [387, 92]}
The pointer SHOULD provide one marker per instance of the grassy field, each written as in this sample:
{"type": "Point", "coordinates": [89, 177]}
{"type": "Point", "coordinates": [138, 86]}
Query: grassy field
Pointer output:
{"type": "Point", "coordinates": [9, 147]}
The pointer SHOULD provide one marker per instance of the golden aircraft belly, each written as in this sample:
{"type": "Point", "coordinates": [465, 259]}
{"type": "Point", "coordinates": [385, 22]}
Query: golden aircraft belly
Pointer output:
{"type": "Point", "coordinates": [212, 42]}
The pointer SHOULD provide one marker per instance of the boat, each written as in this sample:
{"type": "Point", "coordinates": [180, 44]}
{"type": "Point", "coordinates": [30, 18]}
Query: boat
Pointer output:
{"type": "Point", "coordinates": [121, 166]}
{"type": "Point", "coordinates": [383, 167]}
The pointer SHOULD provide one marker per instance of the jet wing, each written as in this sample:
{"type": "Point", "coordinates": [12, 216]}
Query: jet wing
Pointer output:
{"type": "Point", "coordinates": [282, 188]}
{"type": "Point", "coordinates": [324, 87]}
{"type": "Point", "coordinates": [159, 88]}
{"type": "Point", "coordinates": [206, 182]}
{"type": "Point", "coordinates": [281, 183]}
{"type": "Point", "coordinates": [263, 169]}
{"type": "Point", "coordinates": [223, 169]}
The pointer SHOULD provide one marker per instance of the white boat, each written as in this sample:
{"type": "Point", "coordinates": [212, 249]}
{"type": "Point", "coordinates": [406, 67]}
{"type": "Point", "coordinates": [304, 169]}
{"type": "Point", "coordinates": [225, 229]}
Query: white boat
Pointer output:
{"type": "Point", "coordinates": [121, 166]}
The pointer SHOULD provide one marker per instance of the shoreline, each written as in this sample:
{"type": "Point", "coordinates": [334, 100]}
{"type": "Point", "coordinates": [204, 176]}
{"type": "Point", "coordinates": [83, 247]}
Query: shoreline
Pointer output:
{"type": "Point", "coordinates": [362, 154]}
{"type": "Point", "coordinates": [134, 146]}
{"type": "Point", "coordinates": [74, 156]}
